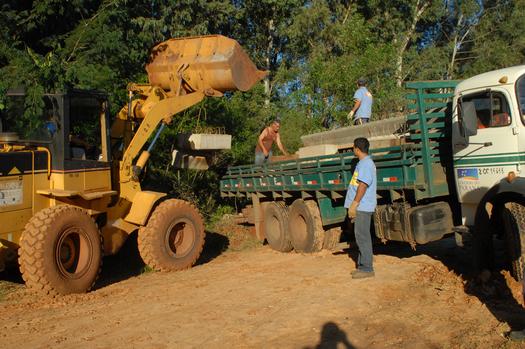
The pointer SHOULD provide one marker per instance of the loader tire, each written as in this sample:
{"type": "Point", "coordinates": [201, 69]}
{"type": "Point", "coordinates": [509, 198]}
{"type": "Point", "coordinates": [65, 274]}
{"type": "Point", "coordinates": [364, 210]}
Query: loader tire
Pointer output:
{"type": "Point", "coordinates": [514, 227]}
{"type": "Point", "coordinates": [61, 251]}
{"type": "Point", "coordinates": [331, 238]}
{"type": "Point", "coordinates": [276, 227]}
{"type": "Point", "coordinates": [306, 228]}
{"type": "Point", "coordinates": [173, 239]}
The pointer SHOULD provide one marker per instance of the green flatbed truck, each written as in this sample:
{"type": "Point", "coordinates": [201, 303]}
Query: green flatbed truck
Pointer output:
{"type": "Point", "coordinates": [456, 168]}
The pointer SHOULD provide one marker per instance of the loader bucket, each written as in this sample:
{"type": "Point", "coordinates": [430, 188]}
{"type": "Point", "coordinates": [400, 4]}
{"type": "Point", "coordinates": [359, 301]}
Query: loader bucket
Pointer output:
{"type": "Point", "coordinates": [213, 61]}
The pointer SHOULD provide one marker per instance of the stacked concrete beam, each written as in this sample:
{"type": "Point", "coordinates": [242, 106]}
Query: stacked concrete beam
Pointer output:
{"type": "Point", "coordinates": [381, 133]}
{"type": "Point", "coordinates": [202, 141]}
{"type": "Point", "coordinates": [194, 150]}
{"type": "Point", "coordinates": [346, 135]}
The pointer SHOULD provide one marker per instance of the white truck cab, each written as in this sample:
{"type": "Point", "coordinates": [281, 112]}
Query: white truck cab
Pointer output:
{"type": "Point", "coordinates": [488, 144]}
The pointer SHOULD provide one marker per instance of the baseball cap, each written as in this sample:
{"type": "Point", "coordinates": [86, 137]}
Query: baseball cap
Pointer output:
{"type": "Point", "coordinates": [362, 81]}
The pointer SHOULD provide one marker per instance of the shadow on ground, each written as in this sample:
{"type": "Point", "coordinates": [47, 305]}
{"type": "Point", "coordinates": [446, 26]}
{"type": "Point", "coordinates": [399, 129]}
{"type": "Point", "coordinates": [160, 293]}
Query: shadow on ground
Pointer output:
{"type": "Point", "coordinates": [121, 266]}
{"type": "Point", "coordinates": [490, 288]}
{"type": "Point", "coordinates": [12, 274]}
{"type": "Point", "coordinates": [330, 338]}
{"type": "Point", "coordinates": [127, 263]}
{"type": "Point", "coordinates": [214, 246]}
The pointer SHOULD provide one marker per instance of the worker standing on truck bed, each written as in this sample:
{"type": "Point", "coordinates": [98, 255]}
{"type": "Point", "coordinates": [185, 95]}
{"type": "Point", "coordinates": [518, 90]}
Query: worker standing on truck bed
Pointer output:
{"type": "Point", "coordinates": [361, 202]}
{"type": "Point", "coordinates": [270, 134]}
{"type": "Point", "coordinates": [362, 109]}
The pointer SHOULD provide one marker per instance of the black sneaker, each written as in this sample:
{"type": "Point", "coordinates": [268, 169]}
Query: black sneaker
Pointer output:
{"type": "Point", "coordinates": [359, 274]}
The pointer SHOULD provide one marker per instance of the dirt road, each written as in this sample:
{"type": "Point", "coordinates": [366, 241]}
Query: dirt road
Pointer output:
{"type": "Point", "coordinates": [264, 299]}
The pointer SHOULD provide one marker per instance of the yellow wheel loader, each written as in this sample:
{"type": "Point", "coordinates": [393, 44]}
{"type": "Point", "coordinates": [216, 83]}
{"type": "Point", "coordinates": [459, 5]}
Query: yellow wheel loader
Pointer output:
{"type": "Point", "coordinates": [69, 181]}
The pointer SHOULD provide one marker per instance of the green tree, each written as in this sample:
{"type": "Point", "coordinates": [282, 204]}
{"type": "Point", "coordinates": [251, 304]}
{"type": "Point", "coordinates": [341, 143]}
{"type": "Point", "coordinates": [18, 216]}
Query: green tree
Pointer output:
{"type": "Point", "coordinates": [335, 46]}
{"type": "Point", "coordinates": [402, 23]}
{"type": "Point", "coordinates": [261, 28]}
{"type": "Point", "coordinates": [498, 40]}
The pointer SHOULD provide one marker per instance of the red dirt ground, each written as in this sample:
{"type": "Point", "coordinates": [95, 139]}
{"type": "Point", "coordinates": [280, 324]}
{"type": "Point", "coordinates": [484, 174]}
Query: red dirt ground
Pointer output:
{"type": "Point", "coordinates": [260, 298]}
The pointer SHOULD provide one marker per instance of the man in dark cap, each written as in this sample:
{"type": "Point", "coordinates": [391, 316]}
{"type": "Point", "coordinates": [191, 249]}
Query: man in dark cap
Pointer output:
{"type": "Point", "coordinates": [362, 110]}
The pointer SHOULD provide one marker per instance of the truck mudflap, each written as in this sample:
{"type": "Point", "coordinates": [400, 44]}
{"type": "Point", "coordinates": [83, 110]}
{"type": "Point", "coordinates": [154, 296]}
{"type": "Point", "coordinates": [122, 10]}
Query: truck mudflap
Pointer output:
{"type": "Point", "coordinates": [416, 225]}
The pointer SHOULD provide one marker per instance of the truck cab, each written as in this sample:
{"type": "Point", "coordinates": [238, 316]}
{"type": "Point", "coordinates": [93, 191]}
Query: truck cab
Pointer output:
{"type": "Point", "coordinates": [487, 140]}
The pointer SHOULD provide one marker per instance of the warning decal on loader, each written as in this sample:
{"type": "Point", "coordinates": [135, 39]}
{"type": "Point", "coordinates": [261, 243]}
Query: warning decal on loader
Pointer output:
{"type": "Point", "coordinates": [11, 192]}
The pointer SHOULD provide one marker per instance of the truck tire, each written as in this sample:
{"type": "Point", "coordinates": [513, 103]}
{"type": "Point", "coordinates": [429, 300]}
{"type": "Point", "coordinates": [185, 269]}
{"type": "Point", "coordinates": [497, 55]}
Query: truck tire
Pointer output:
{"type": "Point", "coordinates": [306, 228]}
{"type": "Point", "coordinates": [276, 227]}
{"type": "Point", "coordinates": [61, 251]}
{"type": "Point", "coordinates": [331, 238]}
{"type": "Point", "coordinates": [514, 227]}
{"type": "Point", "coordinates": [173, 238]}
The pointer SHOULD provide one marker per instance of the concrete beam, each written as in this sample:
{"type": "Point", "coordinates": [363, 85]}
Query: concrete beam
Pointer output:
{"type": "Point", "coordinates": [346, 135]}
{"type": "Point", "coordinates": [317, 150]}
{"type": "Point", "coordinates": [203, 141]}
{"type": "Point", "coordinates": [190, 162]}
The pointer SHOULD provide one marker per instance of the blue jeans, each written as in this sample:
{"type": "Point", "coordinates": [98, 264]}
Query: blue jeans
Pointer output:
{"type": "Point", "coordinates": [364, 240]}
{"type": "Point", "coordinates": [361, 121]}
{"type": "Point", "coordinates": [260, 159]}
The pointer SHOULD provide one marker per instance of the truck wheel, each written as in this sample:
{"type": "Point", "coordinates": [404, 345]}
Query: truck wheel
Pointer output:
{"type": "Point", "coordinates": [331, 238]}
{"type": "Point", "coordinates": [514, 225]}
{"type": "Point", "coordinates": [61, 251]}
{"type": "Point", "coordinates": [306, 228]}
{"type": "Point", "coordinates": [173, 239]}
{"type": "Point", "coordinates": [276, 227]}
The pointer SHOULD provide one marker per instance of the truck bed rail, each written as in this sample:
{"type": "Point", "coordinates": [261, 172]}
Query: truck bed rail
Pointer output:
{"type": "Point", "coordinates": [415, 165]}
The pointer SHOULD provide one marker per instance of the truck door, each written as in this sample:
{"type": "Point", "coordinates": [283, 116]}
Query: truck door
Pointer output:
{"type": "Point", "coordinates": [487, 150]}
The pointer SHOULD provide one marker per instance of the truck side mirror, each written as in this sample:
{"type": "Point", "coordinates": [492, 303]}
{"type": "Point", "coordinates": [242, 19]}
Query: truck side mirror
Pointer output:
{"type": "Point", "coordinates": [469, 119]}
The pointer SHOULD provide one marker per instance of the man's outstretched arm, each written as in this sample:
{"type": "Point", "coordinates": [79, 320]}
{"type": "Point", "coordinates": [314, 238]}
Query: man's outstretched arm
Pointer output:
{"type": "Point", "coordinates": [280, 145]}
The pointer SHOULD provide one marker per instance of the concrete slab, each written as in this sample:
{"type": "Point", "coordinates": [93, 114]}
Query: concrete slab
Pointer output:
{"type": "Point", "coordinates": [317, 150]}
{"type": "Point", "coordinates": [346, 135]}
{"type": "Point", "coordinates": [203, 141]}
{"type": "Point", "coordinates": [279, 158]}
{"type": "Point", "coordinates": [181, 160]}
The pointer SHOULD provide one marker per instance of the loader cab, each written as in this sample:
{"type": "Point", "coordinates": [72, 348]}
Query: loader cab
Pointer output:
{"type": "Point", "coordinates": [72, 125]}
{"type": "Point", "coordinates": [86, 131]}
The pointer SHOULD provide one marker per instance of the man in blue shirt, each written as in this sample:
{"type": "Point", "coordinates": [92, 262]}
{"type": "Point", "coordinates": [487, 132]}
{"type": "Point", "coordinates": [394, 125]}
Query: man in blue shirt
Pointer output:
{"type": "Point", "coordinates": [361, 202]}
{"type": "Point", "coordinates": [362, 109]}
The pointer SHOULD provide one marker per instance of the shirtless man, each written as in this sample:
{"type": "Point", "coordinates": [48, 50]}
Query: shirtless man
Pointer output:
{"type": "Point", "coordinates": [270, 134]}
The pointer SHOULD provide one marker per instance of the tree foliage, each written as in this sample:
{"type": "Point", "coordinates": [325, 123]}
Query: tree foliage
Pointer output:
{"type": "Point", "coordinates": [315, 50]}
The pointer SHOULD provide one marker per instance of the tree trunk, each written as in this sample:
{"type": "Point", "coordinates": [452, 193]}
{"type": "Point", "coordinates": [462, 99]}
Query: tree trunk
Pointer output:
{"type": "Point", "coordinates": [419, 9]}
{"type": "Point", "coordinates": [454, 49]}
{"type": "Point", "coordinates": [269, 52]}
{"type": "Point", "coordinates": [459, 39]}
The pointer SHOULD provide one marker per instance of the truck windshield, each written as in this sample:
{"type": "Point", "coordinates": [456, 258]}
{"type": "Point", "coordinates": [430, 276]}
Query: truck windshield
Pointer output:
{"type": "Point", "coordinates": [520, 94]}
{"type": "Point", "coordinates": [41, 126]}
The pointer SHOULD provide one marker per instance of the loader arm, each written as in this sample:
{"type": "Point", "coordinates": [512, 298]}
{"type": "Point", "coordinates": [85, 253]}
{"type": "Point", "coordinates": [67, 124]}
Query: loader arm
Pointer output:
{"type": "Point", "coordinates": [181, 73]}
{"type": "Point", "coordinates": [161, 113]}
